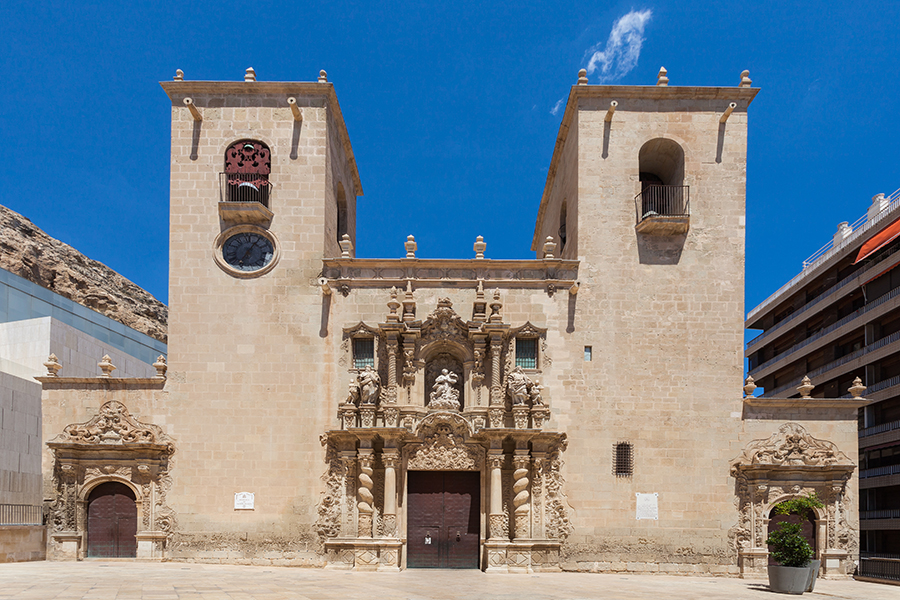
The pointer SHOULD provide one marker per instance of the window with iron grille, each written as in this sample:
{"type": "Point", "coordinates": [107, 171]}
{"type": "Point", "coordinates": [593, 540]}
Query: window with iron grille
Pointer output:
{"type": "Point", "coordinates": [363, 353]}
{"type": "Point", "coordinates": [623, 459]}
{"type": "Point", "coordinates": [526, 353]}
{"type": "Point", "coordinates": [247, 167]}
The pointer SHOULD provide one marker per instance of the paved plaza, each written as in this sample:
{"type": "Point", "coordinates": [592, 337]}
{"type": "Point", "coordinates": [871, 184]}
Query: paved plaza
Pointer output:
{"type": "Point", "coordinates": [128, 580]}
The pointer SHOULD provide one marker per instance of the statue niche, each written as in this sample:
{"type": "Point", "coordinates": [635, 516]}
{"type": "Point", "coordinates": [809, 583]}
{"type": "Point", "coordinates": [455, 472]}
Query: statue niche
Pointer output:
{"type": "Point", "coordinates": [444, 383]}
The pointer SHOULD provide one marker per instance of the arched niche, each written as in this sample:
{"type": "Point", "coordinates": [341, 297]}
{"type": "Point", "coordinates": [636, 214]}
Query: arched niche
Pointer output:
{"type": "Point", "coordinates": [661, 162]}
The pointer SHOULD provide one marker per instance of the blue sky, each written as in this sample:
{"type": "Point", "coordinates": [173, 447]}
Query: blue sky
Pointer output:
{"type": "Point", "coordinates": [449, 108]}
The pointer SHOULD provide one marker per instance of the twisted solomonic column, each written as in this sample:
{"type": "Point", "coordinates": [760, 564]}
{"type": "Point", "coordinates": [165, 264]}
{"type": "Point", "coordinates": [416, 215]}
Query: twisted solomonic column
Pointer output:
{"type": "Point", "coordinates": [520, 500]}
{"type": "Point", "coordinates": [366, 502]}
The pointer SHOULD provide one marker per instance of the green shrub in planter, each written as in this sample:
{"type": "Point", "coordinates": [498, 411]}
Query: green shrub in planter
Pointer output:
{"type": "Point", "coordinates": [789, 547]}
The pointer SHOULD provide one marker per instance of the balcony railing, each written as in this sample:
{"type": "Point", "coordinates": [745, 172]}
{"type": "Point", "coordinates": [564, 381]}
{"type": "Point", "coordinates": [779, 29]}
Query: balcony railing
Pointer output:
{"type": "Point", "coordinates": [883, 428]}
{"type": "Point", "coordinates": [245, 187]}
{"type": "Point", "coordinates": [890, 513]}
{"type": "Point", "coordinates": [880, 471]}
{"type": "Point", "coordinates": [663, 201]}
{"type": "Point", "coordinates": [21, 514]}
{"type": "Point", "coordinates": [879, 566]}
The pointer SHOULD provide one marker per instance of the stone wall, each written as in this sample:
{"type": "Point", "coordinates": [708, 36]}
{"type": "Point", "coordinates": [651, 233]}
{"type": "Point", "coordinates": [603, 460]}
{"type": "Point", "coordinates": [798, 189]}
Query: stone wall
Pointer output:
{"type": "Point", "coordinates": [21, 543]}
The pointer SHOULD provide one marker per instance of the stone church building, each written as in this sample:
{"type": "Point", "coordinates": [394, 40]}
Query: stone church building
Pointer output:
{"type": "Point", "coordinates": [577, 411]}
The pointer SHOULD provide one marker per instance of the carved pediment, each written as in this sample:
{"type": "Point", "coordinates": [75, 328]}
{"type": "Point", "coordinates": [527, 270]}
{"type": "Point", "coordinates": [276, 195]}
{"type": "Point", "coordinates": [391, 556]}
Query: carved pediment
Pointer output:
{"type": "Point", "coordinates": [444, 446]}
{"type": "Point", "coordinates": [444, 324]}
{"type": "Point", "coordinates": [791, 446]}
{"type": "Point", "coordinates": [528, 330]}
{"type": "Point", "coordinates": [360, 330]}
{"type": "Point", "coordinates": [113, 425]}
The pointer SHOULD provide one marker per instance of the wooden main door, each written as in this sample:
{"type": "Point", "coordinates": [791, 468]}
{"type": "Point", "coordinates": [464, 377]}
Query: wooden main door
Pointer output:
{"type": "Point", "coordinates": [443, 519]}
{"type": "Point", "coordinates": [112, 521]}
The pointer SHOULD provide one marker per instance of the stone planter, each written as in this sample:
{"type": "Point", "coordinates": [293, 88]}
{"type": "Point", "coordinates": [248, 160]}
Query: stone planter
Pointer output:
{"type": "Point", "coordinates": [789, 580]}
{"type": "Point", "coordinates": [813, 567]}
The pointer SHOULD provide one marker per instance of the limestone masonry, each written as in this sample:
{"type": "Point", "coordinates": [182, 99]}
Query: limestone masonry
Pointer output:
{"type": "Point", "coordinates": [578, 411]}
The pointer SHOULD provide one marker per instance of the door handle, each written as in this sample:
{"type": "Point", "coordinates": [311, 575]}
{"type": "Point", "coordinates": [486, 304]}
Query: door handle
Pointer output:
{"type": "Point", "coordinates": [457, 536]}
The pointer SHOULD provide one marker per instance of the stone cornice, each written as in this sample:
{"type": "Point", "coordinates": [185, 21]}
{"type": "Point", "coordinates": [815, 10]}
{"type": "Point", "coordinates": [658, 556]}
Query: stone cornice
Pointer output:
{"type": "Point", "coordinates": [743, 96]}
{"type": "Point", "coordinates": [104, 382]}
{"type": "Point", "coordinates": [179, 90]}
{"type": "Point", "coordinates": [812, 403]}
{"type": "Point", "coordinates": [366, 272]}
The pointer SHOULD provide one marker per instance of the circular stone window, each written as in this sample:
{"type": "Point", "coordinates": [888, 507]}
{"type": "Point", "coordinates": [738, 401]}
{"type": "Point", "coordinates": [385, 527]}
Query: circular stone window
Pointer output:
{"type": "Point", "coordinates": [247, 251]}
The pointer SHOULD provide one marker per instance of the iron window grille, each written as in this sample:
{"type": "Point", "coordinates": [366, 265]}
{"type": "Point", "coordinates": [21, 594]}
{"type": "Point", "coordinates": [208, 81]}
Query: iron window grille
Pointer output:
{"type": "Point", "coordinates": [623, 459]}
{"type": "Point", "coordinates": [526, 353]}
{"type": "Point", "coordinates": [363, 353]}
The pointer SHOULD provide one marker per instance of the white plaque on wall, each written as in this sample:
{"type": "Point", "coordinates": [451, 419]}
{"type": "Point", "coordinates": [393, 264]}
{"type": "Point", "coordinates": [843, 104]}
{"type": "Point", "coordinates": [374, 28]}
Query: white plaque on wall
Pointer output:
{"type": "Point", "coordinates": [243, 501]}
{"type": "Point", "coordinates": [647, 506]}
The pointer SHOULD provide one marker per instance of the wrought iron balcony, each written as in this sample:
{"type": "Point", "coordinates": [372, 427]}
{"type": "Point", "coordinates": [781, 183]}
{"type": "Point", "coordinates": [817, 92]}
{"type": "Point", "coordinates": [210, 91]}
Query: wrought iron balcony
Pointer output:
{"type": "Point", "coordinates": [244, 197]}
{"type": "Point", "coordinates": [663, 209]}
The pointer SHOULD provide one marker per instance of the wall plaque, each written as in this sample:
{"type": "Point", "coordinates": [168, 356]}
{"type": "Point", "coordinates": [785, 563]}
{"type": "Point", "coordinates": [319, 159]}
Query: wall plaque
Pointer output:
{"type": "Point", "coordinates": [647, 506]}
{"type": "Point", "coordinates": [243, 501]}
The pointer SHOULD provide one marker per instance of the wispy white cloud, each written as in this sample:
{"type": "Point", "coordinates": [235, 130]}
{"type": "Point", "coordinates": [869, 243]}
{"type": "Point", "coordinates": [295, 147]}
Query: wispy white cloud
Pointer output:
{"type": "Point", "coordinates": [555, 110]}
{"type": "Point", "coordinates": [623, 48]}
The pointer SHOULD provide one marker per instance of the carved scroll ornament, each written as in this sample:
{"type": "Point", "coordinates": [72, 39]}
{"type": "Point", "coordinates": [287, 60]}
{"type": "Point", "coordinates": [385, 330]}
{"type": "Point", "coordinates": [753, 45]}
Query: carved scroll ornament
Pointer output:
{"type": "Point", "coordinates": [113, 424]}
{"type": "Point", "coordinates": [443, 446]}
{"type": "Point", "coordinates": [791, 445]}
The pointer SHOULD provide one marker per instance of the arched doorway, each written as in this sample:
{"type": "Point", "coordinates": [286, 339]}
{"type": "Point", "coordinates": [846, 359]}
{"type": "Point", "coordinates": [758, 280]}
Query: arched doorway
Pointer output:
{"type": "Point", "coordinates": [808, 524]}
{"type": "Point", "coordinates": [112, 521]}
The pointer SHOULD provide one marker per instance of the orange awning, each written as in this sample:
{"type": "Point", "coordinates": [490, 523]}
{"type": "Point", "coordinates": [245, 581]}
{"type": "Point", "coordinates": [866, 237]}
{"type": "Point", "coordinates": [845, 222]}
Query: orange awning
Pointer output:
{"type": "Point", "coordinates": [879, 241]}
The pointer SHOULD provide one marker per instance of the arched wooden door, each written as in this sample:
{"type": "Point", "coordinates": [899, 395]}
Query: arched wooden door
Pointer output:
{"type": "Point", "coordinates": [808, 524]}
{"type": "Point", "coordinates": [112, 521]}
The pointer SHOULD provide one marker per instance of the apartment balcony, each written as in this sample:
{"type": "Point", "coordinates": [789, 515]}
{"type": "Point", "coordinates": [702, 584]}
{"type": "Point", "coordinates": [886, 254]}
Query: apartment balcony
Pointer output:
{"type": "Point", "coordinates": [881, 567]}
{"type": "Point", "coordinates": [828, 335]}
{"type": "Point", "coordinates": [663, 210]}
{"type": "Point", "coordinates": [878, 435]}
{"type": "Point", "coordinates": [879, 477]}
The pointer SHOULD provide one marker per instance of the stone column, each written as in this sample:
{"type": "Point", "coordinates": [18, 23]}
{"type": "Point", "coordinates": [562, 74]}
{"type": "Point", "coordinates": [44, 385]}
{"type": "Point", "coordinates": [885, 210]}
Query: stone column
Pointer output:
{"type": "Point", "coordinates": [495, 413]}
{"type": "Point", "coordinates": [521, 499]}
{"type": "Point", "coordinates": [537, 495]}
{"type": "Point", "coordinates": [390, 459]}
{"type": "Point", "coordinates": [389, 408]}
{"type": "Point", "coordinates": [348, 458]}
{"type": "Point", "coordinates": [366, 502]}
{"type": "Point", "coordinates": [495, 460]}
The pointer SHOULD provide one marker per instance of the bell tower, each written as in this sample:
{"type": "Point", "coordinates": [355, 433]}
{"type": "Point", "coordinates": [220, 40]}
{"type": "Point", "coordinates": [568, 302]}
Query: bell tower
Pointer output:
{"type": "Point", "coordinates": [263, 187]}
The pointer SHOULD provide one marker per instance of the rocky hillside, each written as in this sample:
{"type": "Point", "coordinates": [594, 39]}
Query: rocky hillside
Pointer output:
{"type": "Point", "coordinates": [30, 253]}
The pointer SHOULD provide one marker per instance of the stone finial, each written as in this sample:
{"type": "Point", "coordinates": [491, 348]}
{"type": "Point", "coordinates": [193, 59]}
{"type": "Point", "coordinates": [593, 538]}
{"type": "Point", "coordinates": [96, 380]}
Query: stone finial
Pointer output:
{"type": "Point", "coordinates": [160, 366]}
{"type": "Point", "coordinates": [805, 387]}
{"type": "Point", "coordinates": [53, 366]}
{"type": "Point", "coordinates": [393, 305]}
{"type": "Point", "coordinates": [346, 246]}
{"type": "Point", "coordinates": [410, 246]}
{"type": "Point", "coordinates": [496, 305]}
{"type": "Point", "coordinates": [106, 366]}
{"type": "Point", "coordinates": [549, 247]}
{"type": "Point", "coordinates": [409, 303]}
{"type": "Point", "coordinates": [661, 79]}
{"type": "Point", "coordinates": [479, 291]}
{"type": "Point", "coordinates": [745, 79]}
{"type": "Point", "coordinates": [879, 203]}
{"type": "Point", "coordinates": [179, 75]}
{"type": "Point", "coordinates": [857, 389]}
{"type": "Point", "coordinates": [479, 247]}
{"type": "Point", "coordinates": [250, 75]}
{"type": "Point", "coordinates": [323, 76]}
{"type": "Point", "coordinates": [582, 77]}
{"type": "Point", "coordinates": [749, 386]}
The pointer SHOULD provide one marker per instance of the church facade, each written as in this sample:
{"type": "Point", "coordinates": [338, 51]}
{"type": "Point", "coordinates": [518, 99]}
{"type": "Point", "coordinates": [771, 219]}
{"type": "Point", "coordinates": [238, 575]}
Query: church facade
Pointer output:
{"type": "Point", "coordinates": [577, 411]}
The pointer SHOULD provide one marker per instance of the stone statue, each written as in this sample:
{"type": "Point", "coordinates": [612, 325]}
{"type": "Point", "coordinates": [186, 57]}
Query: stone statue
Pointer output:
{"type": "Point", "coordinates": [517, 386]}
{"type": "Point", "coordinates": [353, 392]}
{"type": "Point", "coordinates": [536, 399]}
{"type": "Point", "coordinates": [444, 394]}
{"type": "Point", "coordinates": [369, 383]}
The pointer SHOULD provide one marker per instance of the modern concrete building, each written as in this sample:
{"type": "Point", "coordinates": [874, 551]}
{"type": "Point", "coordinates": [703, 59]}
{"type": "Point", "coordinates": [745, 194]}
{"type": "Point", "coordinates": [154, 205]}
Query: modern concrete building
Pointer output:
{"type": "Point", "coordinates": [35, 323]}
{"type": "Point", "coordinates": [837, 320]}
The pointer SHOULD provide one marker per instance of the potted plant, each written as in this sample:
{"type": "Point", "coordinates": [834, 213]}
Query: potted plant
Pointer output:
{"type": "Point", "coordinates": [796, 572]}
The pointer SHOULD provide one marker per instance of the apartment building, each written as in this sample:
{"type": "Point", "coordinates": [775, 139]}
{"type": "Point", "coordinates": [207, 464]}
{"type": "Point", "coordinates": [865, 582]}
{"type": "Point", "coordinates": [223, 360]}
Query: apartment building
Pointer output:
{"type": "Point", "coordinates": [837, 320]}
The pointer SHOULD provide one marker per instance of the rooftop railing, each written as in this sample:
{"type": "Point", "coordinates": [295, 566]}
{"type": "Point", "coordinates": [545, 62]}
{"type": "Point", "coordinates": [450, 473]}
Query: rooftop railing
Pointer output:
{"type": "Point", "coordinates": [827, 251]}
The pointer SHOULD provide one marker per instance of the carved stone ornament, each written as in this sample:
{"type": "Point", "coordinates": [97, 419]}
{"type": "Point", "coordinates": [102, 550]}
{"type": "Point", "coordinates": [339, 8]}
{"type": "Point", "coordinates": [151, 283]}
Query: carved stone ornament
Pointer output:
{"type": "Point", "coordinates": [112, 425]}
{"type": "Point", "coordinates": [444, 325]}
{"type": "Point", "coordinates": [791, 445]}
{"type": "Point", "coordinates": [443, 446]}
{"type": "Point", "coordinates": [444, 395]}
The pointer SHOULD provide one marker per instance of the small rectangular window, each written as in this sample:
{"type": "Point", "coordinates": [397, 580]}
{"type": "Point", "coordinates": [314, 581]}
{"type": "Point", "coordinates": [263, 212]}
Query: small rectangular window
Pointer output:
{"type": "Point", "coordinates": [526, 353]}
{"type": "Point", "coordinates": [363, 353]}
{"type": "Point", "coordinates": [623, 459]}
{"type": "Point", "coordinates": [588, 353]}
